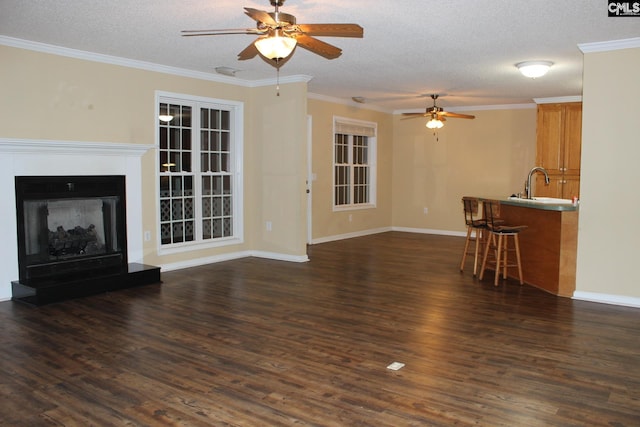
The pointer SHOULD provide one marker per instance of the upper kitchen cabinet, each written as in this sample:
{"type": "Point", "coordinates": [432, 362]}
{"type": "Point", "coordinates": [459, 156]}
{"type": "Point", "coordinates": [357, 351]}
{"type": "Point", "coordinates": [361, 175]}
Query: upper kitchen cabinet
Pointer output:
{"type": "Point", "coordinates": [559, 139]}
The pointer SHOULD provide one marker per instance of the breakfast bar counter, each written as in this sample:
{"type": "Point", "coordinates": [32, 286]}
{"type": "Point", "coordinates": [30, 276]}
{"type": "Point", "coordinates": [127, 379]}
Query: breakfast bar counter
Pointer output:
{"type": "Point", "coordinates": [549, 244]}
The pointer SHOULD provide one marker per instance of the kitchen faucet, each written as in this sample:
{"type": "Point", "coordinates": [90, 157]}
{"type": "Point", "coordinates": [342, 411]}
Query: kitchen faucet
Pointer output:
{"type": "Point", "coordinates": [531, 172]}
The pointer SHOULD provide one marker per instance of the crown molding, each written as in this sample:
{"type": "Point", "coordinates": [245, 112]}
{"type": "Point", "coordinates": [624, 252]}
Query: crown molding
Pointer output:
{"type": "Point", "coordinates": [558, 99]}
{"type": "Point", "coordinates": [609, 45]}
{"type": "Point", "coordinates": [349, 102]}
{"type": "Point", "coordinates": [147, 66]}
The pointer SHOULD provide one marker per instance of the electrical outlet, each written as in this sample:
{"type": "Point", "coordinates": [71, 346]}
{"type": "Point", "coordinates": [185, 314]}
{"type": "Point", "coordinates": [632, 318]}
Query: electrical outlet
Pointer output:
{"type": "Point", "coordinates": [268, 225]}
{"type": "Point", "coordinates": [426, 211]}
{"type": "Point", "coordinates": [147, 236]}
{"type": "Point", "coordinates": [350, 217]}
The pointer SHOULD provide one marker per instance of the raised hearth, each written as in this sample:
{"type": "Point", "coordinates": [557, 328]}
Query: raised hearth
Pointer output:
{"type": "Point", "coordinates": [72, 238]}
{"type": "Point", "coordinates": [134, 275]}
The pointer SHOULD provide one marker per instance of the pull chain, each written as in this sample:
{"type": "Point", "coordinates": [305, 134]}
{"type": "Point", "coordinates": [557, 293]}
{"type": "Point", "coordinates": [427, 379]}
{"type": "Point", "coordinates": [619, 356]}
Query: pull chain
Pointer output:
{"type": "Point", "coordinates": [277, 61]}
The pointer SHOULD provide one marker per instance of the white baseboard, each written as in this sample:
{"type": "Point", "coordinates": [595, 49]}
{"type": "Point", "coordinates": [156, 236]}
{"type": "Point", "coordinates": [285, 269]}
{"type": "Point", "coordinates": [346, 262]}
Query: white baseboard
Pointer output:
{"type": "Point", "coordinates": [384, 230]}
{"type": "Point", "coordinates": [280, 257]}
{"type": "Point", "coordinates": [350, 235]}
{"type": "Point", "coordinates": [607, 298]}
{"type": "Point", "coordinates": [431, 231]}
{"type": "Point", "coordinates": [230, 256]}
{"type": "Point", "coordinates": [203, 261]}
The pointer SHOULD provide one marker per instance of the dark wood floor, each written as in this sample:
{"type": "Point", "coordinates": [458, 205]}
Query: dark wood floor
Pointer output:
{"type": "Point", "coordinates": [255, 342]}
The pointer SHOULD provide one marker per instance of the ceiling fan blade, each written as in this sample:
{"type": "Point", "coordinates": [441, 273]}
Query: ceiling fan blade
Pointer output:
{"type": "Point", "coordinates": [260, 16]}
{"type": "Point", "coordinates": [192, 33]}
{"type": "Point", "coordinates": [249, 52]}
{"type": "Point", "coordinates": [413, 115]}
{"type": "Point", "coordinates": [332, 30]}
{"type": "Point", "coordinates": [318, 47]}
{"type": "Point", "coordinates": [457, 115]}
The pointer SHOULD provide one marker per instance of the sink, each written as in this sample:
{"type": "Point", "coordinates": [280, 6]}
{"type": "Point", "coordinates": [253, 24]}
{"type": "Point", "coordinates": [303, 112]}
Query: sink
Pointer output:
{"type": "Point", "coordinates": [545, 200]}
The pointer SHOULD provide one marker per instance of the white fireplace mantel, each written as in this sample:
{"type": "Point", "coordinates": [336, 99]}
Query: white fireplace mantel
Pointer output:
{"type": "Point", "coordinates": [28, 157]}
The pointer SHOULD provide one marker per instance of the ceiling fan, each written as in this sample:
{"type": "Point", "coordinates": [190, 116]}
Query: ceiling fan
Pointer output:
{"type": "Point", "coordinates": [437, 115]}
{"type": "Point", "coordinates": [279, 34]}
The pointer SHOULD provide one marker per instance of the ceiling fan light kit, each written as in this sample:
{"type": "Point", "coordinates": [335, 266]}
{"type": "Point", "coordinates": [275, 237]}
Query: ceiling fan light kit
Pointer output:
{"type": "Point", "coordinates": [534, 69]}
{"type": "Point", "coordinates": [434, 123]}
{"type": "Point", "coordinates": [276, 47]}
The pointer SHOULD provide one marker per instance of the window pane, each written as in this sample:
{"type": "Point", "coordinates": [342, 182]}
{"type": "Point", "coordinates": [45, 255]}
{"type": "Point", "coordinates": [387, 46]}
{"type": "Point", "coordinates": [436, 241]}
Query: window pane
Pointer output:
{"type": "Point", "coordinates": [206, 229]}
{"type": "Point", "coordinates": [186, 139]}
{"type": "Point", "coordinates": [206, 185]}
{"type": "Point", "coordinates": [224, 163]}
{"type": "Point", "coordinates": [224, 141]}
{"type": "Point", "coordinates": [164, 138]}
{"type": "Point", "coordinates": [176, 186]}
{"type": "Point", "coordinates": [186, 162]}
{"type": "Point", "coordinates": [164, 161]}
{"type": "Point", "coordinates": [174, 110]}
{"type": "Point", "coordinates": [217, 228]}
{"type": "Point", "coordinates": [186, 116]}
{"type": "Point", "coordinates": [225, 121]}
{"type": "Point", "coordinates": [204, 119]}
{"type": "Point", "coordinates": [164, 186]}
{"type": "Point", "coordinates": [188, 231]}
{"type": "Point", "coordinates": [215, 119]}
{"type": "Point", "coordinates": [215, 163]}
{"type": "Point", "coordinates": [204, 163]}
{"type": "Point", "coordinates": [174, 138]}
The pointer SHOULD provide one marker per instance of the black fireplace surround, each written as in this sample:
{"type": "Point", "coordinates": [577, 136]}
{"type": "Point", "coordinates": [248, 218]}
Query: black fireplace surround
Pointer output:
{"type": "Point", "coordinates": [72, 238]}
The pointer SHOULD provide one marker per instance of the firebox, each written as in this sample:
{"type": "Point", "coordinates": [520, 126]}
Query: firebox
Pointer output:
{"type": "Point", "coordinates": [72, 237]}
{"type": "Point", "coordinates": [70, 226]}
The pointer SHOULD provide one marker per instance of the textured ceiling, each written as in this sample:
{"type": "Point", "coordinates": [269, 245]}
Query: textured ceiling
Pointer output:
{"type": "Point", "coordinates": [464, 50]}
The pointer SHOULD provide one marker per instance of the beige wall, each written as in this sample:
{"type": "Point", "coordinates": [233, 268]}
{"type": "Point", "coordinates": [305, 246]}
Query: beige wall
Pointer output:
{"type": "Point", "coordinates": [327, 224]}
{"type": "Point", "coordinates": [488, 156]}
{"type": "Point", "coordinates": [277, 169]}
{"type": "Point", "coordinates": [609, 196]}
{"type": "Point", "coordinates": [51, 97]}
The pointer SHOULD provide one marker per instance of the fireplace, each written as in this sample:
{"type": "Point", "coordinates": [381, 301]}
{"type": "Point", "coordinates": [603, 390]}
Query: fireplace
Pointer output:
{"type": "Point", "coordinates": [72, 238]}
{"type": "Point", "coordinates": [70, 227]}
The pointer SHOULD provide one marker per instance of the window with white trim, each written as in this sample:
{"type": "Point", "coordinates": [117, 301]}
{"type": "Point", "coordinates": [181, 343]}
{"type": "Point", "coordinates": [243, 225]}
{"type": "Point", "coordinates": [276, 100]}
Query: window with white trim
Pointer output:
{"type": "Point", "coordinates": [354, 163]}
{"type": "Point", "coordinates": [199, 158]}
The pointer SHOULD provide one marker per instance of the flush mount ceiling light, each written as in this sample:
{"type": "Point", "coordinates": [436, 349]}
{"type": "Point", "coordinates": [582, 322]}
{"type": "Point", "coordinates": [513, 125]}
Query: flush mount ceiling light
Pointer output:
{"type": "Point", "coordinates": [165, 118]}
{"type": "Point", "coordinates": [534, 69]}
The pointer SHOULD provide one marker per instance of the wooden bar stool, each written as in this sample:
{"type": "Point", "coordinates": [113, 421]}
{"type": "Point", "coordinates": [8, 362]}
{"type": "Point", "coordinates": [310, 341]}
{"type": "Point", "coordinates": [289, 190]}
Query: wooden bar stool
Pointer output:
{"type": "Point", "coordinates": [476, 225]}
{"type": "Point", "coordinates": [498, 242]}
